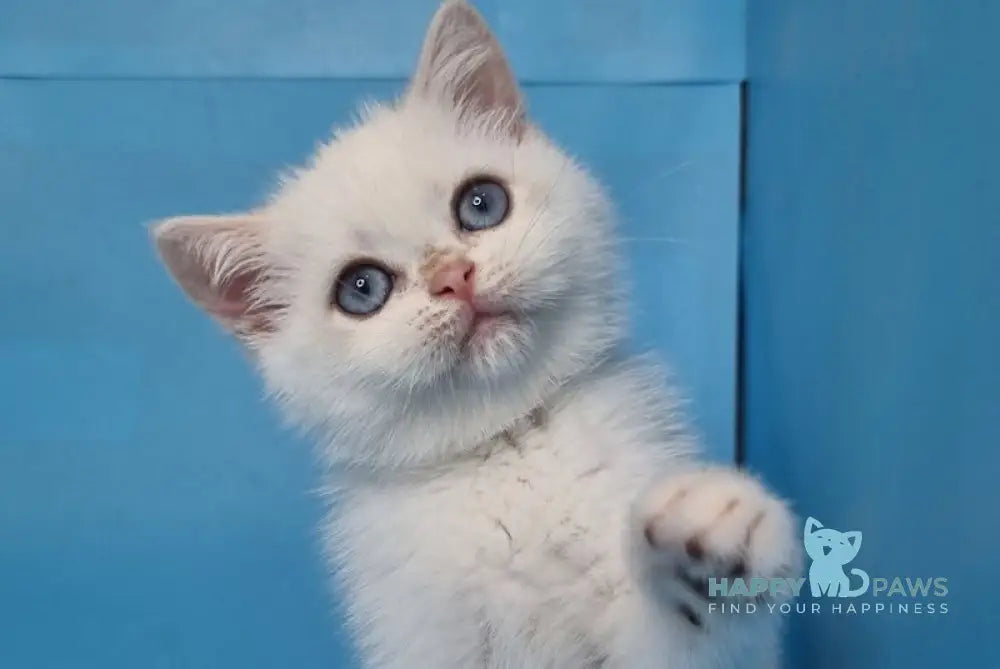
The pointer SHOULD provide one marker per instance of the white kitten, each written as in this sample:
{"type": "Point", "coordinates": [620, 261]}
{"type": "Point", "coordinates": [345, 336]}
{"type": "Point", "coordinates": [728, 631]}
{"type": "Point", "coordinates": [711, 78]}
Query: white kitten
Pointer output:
{"type": "Point", "coordinates": [437, 296]}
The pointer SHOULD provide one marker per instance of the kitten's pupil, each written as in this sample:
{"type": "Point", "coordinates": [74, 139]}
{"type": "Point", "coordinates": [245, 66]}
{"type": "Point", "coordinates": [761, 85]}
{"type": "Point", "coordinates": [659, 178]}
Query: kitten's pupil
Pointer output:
{"type": "Point", "coordinates": [479, 202]}
{"type": "Point", "coordinates": [361, 285]}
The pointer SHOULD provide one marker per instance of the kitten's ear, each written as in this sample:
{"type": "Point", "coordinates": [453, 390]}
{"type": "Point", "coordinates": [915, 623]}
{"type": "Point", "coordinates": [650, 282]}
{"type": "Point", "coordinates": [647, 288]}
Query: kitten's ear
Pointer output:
{"type": "Point", "coordinates": [220, 264]}
{"type": "Point", "coordinates": [854, 538]}
{"type": "Point", "coordinates": [462, 64]}
{"type": "Point", "coordinates": [812, 525]}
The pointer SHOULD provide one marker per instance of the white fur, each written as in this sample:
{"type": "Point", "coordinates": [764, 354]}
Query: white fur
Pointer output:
{"type": "Point", "coordinates": [525, 503]}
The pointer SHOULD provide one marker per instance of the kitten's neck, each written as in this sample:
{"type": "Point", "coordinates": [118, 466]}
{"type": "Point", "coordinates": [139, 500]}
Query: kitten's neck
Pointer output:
{"type": "Point", "coordinates": [511, 438]}
{"type": "Point", "coordinates": [428, 438]}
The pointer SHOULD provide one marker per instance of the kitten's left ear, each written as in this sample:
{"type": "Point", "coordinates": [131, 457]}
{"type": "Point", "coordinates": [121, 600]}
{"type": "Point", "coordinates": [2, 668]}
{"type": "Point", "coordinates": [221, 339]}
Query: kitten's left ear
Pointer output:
{"type": "Point", "coordinates": [462, 64]}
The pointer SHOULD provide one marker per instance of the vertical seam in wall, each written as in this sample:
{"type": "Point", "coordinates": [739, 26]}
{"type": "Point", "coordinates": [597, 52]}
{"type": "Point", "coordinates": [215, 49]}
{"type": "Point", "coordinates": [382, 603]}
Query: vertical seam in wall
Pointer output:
{"type": "Point", "coordinates": [740, 381]}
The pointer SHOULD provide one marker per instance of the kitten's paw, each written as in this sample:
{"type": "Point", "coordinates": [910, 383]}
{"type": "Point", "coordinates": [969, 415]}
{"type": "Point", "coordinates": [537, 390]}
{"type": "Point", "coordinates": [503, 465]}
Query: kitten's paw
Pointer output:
{"type": "Point", "coordinates": [714, 523]}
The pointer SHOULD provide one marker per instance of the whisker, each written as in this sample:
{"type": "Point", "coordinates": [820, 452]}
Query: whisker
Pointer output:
{"type": "Point", "coordinates": [662, 240]}
{"type": "Point", "coordinates": [660, 176]}
{"type": "Point", "coordinates": [545, 204]}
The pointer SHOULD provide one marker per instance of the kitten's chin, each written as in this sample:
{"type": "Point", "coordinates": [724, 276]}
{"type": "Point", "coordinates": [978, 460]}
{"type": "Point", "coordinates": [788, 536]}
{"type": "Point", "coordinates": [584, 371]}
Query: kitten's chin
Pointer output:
{"type": "Point", "coordinates": [495, 345]}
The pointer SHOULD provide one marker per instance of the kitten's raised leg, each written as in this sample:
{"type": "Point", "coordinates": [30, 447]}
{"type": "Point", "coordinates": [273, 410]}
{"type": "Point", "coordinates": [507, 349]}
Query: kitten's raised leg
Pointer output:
{"type": "Point", "coordinates": [714, 523]}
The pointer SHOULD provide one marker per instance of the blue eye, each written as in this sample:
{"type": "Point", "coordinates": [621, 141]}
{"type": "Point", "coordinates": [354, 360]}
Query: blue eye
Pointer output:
{"type": "Point", "coordinates": [362, 289]}
{"type": "Point", "coordinates": [481, 204]}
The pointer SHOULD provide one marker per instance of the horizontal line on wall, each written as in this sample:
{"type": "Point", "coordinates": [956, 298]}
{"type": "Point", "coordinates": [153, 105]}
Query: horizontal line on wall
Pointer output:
{"type": "Point", "coordinates": [359, 79]}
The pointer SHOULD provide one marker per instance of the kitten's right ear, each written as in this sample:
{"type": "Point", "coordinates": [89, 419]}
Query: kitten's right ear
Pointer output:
{"type": "Point", "coordinates": [463, 65]}
{"type": "Point", "coordinates": [220, 264]}
{"type": "Point", "coordinates": [812, 525]}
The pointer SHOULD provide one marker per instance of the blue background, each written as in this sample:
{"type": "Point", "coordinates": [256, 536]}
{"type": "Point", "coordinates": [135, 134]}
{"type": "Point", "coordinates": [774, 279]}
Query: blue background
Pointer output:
{"type": "Point", "coordinates": [872, 279]}
{"type": "Point", "coordinates": [152, 512]}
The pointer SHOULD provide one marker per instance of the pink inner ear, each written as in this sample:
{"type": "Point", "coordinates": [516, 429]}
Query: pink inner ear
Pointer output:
{"type": "Point", "coordinates": [234, 302]}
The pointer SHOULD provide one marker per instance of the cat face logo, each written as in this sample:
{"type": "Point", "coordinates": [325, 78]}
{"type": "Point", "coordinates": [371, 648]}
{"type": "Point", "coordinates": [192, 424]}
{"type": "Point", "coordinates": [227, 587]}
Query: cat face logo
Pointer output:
{"type": "Point", "coordinates": [830, 550]}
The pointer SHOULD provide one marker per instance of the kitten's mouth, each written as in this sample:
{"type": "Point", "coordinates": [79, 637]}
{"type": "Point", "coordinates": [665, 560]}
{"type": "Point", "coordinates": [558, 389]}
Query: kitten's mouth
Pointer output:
{"type": "Point", "coordinates": [485, 320]}
{"type": "Point", "coordinates": [483, 324]}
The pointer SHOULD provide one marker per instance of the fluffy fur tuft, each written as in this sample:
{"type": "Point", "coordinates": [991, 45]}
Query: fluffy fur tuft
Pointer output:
{"type": "Point", "coordinates": [513, 496]}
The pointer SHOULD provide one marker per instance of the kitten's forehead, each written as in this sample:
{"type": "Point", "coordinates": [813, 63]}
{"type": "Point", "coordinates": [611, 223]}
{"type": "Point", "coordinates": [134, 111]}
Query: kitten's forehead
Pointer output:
{"type": "Point", "coordinates": [385, 187]}
{"type": "Point", "coordinates": [408, 148]}
{"type": "Point", "coordinates": [390, 180]}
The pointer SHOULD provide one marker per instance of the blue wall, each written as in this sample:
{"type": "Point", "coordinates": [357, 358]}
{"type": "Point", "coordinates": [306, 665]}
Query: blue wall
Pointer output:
{"type": "Point", "coordinates": [872, 274]}
{"type": "Point", "coordinates": [152, 514]}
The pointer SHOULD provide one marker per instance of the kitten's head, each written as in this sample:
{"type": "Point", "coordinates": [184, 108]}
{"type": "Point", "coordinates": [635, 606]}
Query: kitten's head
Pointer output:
{"type": "Point", "coordinates": [828, 545]}
{"type": "Point", "coordinates": [429, 277]}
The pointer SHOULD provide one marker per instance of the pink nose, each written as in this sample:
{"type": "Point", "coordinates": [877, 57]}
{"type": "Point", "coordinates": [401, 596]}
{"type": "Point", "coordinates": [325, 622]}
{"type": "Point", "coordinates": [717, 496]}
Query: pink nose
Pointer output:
{"type": "Point", "coordinates": [455, 279]}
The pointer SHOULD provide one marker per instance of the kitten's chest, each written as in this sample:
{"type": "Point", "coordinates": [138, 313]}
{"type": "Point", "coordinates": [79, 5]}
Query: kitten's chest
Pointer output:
{"type": "Point", "coordinates": [538, 522]}
{"type": "Point", "coordinates": [525, 547]}
{"type": "Point", "coordinates": [542, 518]}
